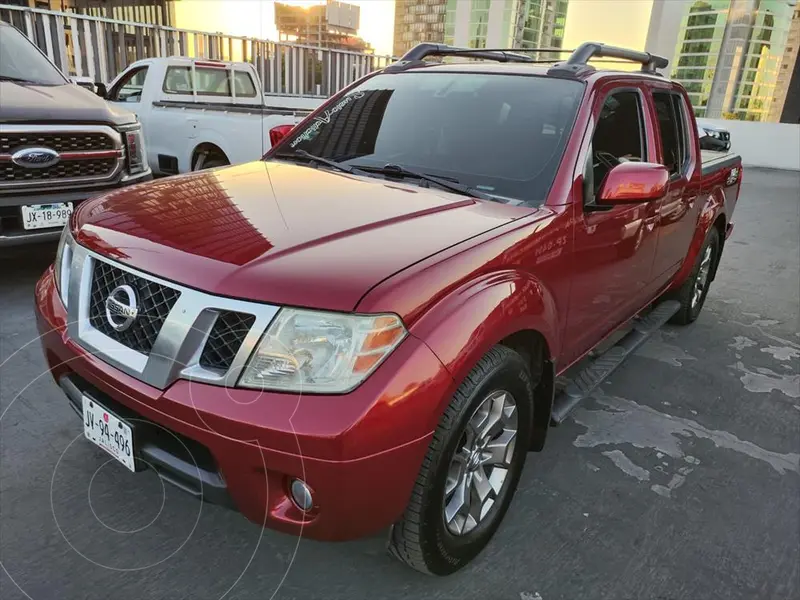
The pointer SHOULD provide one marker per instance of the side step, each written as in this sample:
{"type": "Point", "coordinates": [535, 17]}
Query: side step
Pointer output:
{"type": "Point", "coordinates": [586, 381]}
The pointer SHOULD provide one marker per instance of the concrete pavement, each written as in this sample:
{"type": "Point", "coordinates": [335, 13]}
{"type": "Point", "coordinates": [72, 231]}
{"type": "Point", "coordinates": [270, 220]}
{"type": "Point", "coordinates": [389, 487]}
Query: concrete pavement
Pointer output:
{"type": "Point", "coordinates": [680, 480]}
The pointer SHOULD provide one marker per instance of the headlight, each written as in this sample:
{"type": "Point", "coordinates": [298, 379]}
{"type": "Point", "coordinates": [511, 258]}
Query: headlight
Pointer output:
{"type": "Point", "coordinates": [134, 146]}
{"type": "Point", "coordinates": [712, 133]}
{"type": "Point", "coordinates": [321, 352]}
{"type": "Point", "coordinates": [62, 264]}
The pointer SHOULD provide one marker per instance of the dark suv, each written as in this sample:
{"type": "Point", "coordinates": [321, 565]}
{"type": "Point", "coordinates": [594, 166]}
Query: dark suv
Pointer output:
{"type": "Point", "coordinates": [59, 144]}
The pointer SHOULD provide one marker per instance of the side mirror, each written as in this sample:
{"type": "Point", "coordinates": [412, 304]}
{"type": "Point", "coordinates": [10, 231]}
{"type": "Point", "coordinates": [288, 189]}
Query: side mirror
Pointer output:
{"type": "Point", "coordinates": [633, 182]}
{"type": "Point", "coordinates": [83, 82]}
{"type": "Point", "coordinates": [277, 133]}
{"type": "Point", "coordinates": [100, 89]}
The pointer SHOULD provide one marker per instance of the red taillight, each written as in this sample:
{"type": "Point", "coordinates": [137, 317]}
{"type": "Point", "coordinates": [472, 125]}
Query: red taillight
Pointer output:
{"type": "Point", "coordinates": [276, 134]}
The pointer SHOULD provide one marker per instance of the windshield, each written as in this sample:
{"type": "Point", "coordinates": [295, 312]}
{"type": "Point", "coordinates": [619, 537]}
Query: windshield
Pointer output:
{"type": "Point", "coordinates": [500, 134]}
{"type": "Point", "coordinates": [21, 61]}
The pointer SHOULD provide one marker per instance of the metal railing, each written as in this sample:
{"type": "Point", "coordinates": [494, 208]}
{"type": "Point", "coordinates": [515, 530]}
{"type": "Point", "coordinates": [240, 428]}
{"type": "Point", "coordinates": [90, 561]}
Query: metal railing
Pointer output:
{"type": "Point", "coordinates": [100, 48]}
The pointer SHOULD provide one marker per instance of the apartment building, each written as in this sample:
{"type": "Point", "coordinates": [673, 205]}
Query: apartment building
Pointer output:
{"type": "Point", "coordinates": [728, 54]}
{"type": "Point", "coordinates": [418, 21]}
{"type": "Point", "coordinates": [480, 23]}
{"type": "Point", "coordinates": [786, 100]}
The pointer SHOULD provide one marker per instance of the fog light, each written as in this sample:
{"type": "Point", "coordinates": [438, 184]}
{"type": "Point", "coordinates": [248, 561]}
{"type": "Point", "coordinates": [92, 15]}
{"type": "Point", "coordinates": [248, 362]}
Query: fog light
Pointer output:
{"type": "Point", "coordinates": [301, 494]}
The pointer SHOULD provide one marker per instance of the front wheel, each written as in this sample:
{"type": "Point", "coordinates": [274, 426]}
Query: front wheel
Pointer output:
{"type": "Point", "coordinates": [692, 294]}
{"type": "Point", "coordinates": [472, 467]}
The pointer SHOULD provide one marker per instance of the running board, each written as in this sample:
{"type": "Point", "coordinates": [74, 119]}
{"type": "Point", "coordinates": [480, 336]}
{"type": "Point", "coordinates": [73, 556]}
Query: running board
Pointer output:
{"type": "Point", "coordinates": [586, 381]}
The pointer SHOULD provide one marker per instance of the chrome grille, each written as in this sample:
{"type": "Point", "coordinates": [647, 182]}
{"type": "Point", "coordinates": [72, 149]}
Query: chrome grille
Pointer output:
{"type": "Point", "coordinates": [181, 325]}
{"type": "Point", "coordinates": [95, 168]}
{"type": "Point", "coordinates": [58, 141]}
{"type": "Point", "coordinates": [154, 303]}
{"type": "Point", "coordinates": [225, 339]}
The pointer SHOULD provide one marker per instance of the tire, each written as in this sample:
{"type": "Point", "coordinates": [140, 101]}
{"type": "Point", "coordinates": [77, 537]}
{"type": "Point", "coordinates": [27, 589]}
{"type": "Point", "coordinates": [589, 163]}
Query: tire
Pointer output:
{"type": "Point", "coordinates": [424, 538]}
{"type": "Point", "coordinates": [699, 281]}
{"type": "Point", "coordinates": [205, 161]}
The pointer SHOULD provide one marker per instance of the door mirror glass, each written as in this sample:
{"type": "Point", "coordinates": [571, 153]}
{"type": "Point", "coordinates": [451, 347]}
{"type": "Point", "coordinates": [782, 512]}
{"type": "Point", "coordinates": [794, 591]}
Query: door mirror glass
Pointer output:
{"type": "Point", "coordinates": [632, 182]}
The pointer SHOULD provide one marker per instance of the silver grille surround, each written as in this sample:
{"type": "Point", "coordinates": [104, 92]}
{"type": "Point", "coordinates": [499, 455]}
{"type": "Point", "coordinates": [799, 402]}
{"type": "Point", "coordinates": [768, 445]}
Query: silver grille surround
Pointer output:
{"type": "Point", "coordinates": [177, 349]}
{"type": "Point", "coordinates": [110, 132]}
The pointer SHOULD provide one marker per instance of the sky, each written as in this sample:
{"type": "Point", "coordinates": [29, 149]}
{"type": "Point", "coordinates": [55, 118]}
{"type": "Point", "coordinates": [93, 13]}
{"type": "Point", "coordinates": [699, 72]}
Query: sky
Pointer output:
{"type": "Point", "coordinates": [586, 20]}
{"type": "Point", "coordinates": [256, 18]}
{"type": "Point", "coordinates": [602, 21]}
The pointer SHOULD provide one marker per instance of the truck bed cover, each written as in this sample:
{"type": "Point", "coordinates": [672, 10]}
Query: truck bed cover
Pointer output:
{"type": "Point", "coordinates": [714, 160]}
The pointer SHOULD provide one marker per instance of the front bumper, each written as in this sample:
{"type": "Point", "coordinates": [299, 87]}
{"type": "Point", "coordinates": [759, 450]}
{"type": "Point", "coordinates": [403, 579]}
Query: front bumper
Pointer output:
{"type": "Point", "coordinates": [13, 234]}
{"type": "Point", "coordinates": [245, 445]}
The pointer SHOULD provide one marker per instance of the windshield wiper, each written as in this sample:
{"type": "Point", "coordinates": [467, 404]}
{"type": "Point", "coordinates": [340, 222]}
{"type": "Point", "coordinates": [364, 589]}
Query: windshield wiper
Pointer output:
{"type": "Point", "coordinates": [393, 170]}
{"type": "Point", "coordinates": [15, 79]}
{"type": "Point", "coordinates": [320, 159]}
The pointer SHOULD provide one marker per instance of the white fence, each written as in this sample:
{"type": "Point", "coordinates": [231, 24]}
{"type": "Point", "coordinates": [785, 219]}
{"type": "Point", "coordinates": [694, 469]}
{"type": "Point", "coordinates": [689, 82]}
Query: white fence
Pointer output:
{"type": "Point", "coordinates": [770, 145]}
{"type": "Point", "coordinates": [99, 48]}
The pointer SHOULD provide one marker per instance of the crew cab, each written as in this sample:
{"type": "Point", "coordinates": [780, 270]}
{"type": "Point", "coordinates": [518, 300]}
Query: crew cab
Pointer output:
{"type": "Point", "coordinates": [363, 330]}
{"type": "Point", "coordinates": [59, 144]}
{"type": "Point", "coordinates": [201, 114]}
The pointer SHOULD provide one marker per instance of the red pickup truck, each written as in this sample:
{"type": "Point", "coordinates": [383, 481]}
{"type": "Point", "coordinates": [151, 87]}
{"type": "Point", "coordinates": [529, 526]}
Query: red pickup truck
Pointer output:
{"type": "Point", "coordinates": [364, 329]}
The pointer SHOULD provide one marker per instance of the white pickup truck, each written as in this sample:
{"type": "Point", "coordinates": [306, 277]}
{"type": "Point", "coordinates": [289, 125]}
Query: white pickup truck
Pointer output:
{"type": "Point", "coordinates": [199, 113]}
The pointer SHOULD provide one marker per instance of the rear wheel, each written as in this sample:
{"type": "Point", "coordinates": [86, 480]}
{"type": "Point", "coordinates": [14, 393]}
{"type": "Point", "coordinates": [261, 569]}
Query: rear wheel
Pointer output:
{"type": "Point", "coordinates": [692, 294]}
{"type": "Point", "coordinates": [209, 159]}
{"type": "Point", "coordinates": [472, 467]}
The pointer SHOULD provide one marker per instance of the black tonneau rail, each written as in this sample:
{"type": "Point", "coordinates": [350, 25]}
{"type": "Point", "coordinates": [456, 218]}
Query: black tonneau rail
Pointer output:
{"type": "Point", "coordinates": [234, 108]}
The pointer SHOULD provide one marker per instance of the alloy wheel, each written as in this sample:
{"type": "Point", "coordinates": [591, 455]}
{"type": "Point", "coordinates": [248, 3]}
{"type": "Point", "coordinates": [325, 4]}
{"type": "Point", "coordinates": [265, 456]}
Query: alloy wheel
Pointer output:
{"type": "Point", "coordinates": [480, 466]}
{"type": "Point", "coordinates": [702, 276]}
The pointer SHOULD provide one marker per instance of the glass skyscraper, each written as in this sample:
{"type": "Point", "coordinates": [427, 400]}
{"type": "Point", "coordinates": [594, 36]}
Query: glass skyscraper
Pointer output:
{"type": "Point", "coordinates": [480, 23]}
{"type": "Point", "coordinates": [417, 21]}
{"type": "Point", "coordinates": [505, 23]}
{"type": "Point", "coordinates": [729, 53]}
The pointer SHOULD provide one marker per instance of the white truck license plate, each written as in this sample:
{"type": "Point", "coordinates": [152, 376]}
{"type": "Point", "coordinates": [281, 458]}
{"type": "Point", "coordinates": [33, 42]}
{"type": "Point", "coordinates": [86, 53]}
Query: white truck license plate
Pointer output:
{"type": "Point", "coordinates": [40, 216]}
{"type": "Point", "coordinates": [107, 431]}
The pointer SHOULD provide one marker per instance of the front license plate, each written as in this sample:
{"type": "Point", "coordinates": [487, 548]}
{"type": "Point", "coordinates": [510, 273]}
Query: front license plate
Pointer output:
{"type": "Point", "coordinates": [106, 430]}
{"type": "Point", "coordinates": [40, 216]}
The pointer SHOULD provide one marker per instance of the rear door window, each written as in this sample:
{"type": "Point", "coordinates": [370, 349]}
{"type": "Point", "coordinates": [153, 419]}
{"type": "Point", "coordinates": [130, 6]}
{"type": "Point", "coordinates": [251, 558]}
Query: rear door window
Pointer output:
{"type": "Point", "coordinates": [213, 81]}
{"type": "Point", "coordinates": [671, 124]}
{"type": "Point", "coordinates": [243, 84]}
{"type": "Point", "coordinates": [210, 81]}
{"type": "Point", "coordinates": [178, 80]}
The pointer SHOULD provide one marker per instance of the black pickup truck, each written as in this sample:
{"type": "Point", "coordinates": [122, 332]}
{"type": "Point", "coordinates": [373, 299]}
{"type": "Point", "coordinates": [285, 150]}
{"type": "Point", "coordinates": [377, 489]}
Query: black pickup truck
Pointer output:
{"type": "Point", "coordinates": [59, 144]}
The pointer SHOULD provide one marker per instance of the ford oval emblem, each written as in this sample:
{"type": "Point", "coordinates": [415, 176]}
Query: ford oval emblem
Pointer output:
{"type": "Point", "coordinates": [35, 158]}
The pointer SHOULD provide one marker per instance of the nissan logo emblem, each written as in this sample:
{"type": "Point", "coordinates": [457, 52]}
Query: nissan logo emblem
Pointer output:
{"type": "Point", "coordinates": [121, 307]}
{"type": "Point", "coordinates": [35, 158]}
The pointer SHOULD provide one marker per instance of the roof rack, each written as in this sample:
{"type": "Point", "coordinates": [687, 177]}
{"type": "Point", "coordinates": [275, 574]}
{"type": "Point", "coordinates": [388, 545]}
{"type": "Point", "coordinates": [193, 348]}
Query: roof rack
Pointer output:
{"type": "Point", "coordinates": [576, 64]}
{"type": "Point", "coordinates": [578, 61]}
{"type": "Point", "coordinates": [415, 56]}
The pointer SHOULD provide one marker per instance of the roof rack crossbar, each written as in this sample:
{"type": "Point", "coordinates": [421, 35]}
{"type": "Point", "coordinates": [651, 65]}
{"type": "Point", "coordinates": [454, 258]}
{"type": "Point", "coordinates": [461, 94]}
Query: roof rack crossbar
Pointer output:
{"type": "Point", "coordinates": [590, 50]}
{"type": "Point", "coordinates": [577, 63]}
{"type": "Point", "coordinates": [422, 51]}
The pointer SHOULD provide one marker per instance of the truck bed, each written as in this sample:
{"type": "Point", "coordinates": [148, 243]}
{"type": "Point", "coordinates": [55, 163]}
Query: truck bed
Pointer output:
{"type": "Point", "coordinates": [713, 160]}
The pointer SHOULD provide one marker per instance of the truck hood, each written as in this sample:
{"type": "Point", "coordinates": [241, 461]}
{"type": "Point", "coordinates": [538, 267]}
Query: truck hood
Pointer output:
{"type": "Point", "coordinates": [66, 103]}
{"type": "Point", "coordinates": [281, 233]}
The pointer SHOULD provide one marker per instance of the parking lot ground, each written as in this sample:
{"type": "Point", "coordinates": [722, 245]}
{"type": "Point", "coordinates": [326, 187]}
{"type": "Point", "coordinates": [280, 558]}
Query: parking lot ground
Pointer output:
{"type": "Point", "coordinates": [679, 480]}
